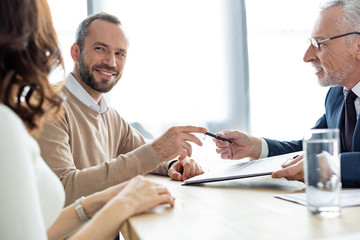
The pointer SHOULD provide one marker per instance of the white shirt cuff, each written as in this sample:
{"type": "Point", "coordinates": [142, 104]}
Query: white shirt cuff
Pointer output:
{"type": "Point", "coordinates": [264, 149]}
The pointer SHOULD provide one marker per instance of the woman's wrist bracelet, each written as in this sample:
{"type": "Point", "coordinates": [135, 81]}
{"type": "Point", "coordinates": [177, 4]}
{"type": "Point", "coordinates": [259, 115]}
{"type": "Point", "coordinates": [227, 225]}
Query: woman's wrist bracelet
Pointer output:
{"type": "Point", "coordinates": [80, 210]}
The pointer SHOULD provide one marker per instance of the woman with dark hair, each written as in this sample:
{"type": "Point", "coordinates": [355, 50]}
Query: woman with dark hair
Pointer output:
{"type": "Point", "coordinates": [32, 197]}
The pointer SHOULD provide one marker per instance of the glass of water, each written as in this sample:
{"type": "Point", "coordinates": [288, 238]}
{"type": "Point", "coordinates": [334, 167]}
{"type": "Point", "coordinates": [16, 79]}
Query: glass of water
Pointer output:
{"type": "Point", "coordinates": [322, 172]}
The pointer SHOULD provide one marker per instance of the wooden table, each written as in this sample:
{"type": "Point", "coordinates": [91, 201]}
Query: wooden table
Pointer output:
{"type": "Point", "coordinates": [237, 209]}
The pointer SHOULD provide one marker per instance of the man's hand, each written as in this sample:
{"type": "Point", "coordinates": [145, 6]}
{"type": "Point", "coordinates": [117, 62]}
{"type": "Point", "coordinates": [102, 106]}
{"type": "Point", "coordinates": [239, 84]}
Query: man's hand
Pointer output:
{"type": "Point", "coordinates": [326, 165]}
{"type": "Point", "coordinates": [175, 142]}
{"type": "Point", "coordinates": [242, 145]}
{"type": "Point", "coordinates": [293, 170]}
{"type": "Point", "coordinates": [184, 169]}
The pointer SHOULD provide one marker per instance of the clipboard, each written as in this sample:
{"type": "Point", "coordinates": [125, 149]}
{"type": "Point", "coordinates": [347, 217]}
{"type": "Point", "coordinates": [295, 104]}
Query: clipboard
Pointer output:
{"type": "Point", "coordinates": [251, 168]}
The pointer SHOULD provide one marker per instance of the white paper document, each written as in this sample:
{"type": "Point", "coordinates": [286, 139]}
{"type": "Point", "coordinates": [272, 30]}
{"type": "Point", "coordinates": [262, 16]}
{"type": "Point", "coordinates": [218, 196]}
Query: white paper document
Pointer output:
{"type": "Point", "coordinates": [252, 168]}
{"type": "Point", "coordinates": [349, 198]}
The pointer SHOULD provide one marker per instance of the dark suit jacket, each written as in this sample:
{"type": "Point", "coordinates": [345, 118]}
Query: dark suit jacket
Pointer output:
{"type": "Point", "coordinates": [333, 118]}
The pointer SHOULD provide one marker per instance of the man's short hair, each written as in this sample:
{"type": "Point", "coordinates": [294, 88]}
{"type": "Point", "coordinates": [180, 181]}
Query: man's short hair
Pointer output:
{"type": "Point", "coordinates": [82, 30]}
{"type": "Point", "coordinates": [350, 22]}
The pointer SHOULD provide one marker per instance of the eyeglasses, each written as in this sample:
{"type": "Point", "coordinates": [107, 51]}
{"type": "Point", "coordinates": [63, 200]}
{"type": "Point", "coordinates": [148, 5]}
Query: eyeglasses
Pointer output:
{"type": "Point", "coordinates": [317, 43]}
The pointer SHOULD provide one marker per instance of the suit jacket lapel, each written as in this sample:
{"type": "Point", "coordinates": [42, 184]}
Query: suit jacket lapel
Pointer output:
{"type": "Point", "coordinates": [340, 118]}
{"type": "Point", "coordinates": [356, 143]}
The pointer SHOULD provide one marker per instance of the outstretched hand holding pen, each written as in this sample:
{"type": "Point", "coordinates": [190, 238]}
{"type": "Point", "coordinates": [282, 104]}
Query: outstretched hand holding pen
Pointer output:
{"type": "Point", "coordinates": [236, 145]}
{"type": "Point", "coordinates": [217, 137]}
{"type": "Point", "coordinates": [243, 145]}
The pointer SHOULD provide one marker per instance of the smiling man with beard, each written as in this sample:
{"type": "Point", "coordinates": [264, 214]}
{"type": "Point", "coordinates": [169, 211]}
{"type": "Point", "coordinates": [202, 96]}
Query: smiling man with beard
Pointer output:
{"type": "Point", "coordinates": [334, 52]}
{"type": "Point", "coordinates": [92, 147]}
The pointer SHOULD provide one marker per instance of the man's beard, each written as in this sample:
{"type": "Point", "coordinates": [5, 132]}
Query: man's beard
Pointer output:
{"type": "Point", "coordinates": [88, 78]}
{"type": "Point", "coordinates": [330, 80]}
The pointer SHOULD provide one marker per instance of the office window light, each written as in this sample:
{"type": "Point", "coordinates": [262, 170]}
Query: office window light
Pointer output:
{"type": "Point", "coordinates": [285, 97]}
{"type": "Point", "coordinates": [176, 66]}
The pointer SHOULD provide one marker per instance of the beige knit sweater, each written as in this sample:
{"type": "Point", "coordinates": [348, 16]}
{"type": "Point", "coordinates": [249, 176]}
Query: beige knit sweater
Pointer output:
{"type": "Point", "coordinates": [90, 151]}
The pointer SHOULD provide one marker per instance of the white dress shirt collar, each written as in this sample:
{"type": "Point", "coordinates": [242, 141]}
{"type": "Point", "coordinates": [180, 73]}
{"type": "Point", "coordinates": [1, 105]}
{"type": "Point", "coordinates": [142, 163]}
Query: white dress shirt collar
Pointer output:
{"type": "Point", "coordinates": [78, 91]}
{"type": "Point", "coordinates": [356, 89]}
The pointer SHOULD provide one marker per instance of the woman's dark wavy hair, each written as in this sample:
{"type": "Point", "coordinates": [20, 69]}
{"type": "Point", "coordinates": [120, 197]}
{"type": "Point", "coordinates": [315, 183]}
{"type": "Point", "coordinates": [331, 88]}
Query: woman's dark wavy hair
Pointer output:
{"type": "Point", "coordinates": [28, 53]}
